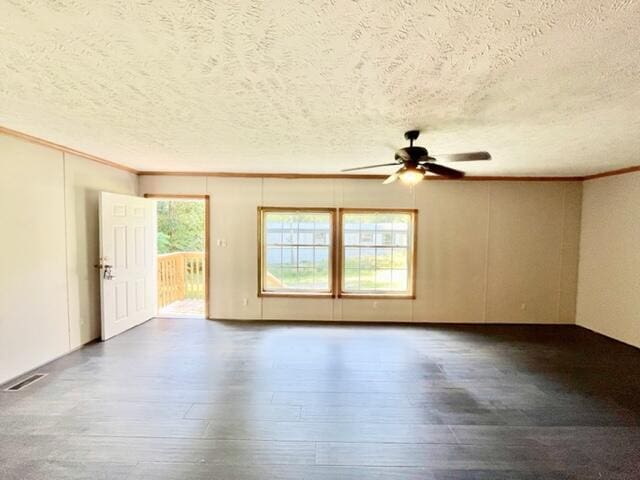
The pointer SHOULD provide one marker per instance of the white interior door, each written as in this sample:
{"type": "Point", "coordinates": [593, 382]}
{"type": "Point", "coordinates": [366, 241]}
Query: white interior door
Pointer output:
{"type": "Point", "coordinates": [127, 262]}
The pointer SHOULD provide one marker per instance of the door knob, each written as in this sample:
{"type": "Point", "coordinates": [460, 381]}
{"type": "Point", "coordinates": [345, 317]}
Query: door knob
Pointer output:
{"type": "Point", "coordinates": [108, 274]}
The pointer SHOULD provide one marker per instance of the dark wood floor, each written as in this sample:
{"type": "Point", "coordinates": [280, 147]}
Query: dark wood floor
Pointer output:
{"type": "Point", "coordinates": [195, 399]}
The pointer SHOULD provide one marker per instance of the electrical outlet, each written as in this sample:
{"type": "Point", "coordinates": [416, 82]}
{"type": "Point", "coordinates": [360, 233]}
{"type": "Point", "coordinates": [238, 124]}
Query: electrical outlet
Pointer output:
{"type": "Point", "coordinates": [245, 302]}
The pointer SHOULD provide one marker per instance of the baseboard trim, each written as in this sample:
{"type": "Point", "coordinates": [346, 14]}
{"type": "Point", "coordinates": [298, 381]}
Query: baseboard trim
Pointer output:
{"type": "Point", "coordinates": [381, 322]}
{"type": "Point", "coordinates": [609, 337]}
{"type": "Point", "coordinates": [58, 357]}
{"type": "Point", "coordinates": [43, 364]}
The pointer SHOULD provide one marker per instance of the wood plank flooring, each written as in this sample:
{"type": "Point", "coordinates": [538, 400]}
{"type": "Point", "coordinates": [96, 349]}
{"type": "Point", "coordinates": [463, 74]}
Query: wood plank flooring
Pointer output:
{"type": "Point", "coordinates": [195, 399]}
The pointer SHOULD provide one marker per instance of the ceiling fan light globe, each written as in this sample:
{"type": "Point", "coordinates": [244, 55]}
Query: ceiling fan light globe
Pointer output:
{"type": "Point", "coordinates": [411, 176]}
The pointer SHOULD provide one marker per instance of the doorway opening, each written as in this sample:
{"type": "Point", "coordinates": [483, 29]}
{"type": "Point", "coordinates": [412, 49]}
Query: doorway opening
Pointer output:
{"type": "Point", "coordinates": [183, 255]}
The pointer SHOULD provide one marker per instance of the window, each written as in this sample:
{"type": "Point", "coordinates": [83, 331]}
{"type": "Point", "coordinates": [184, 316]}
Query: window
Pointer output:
{"type": "Point", "coordinates": [378, 253]}
{"type": "Point", "coordinates": [296, 251]}
{"type": "Point", "coordinates": [296, 254]}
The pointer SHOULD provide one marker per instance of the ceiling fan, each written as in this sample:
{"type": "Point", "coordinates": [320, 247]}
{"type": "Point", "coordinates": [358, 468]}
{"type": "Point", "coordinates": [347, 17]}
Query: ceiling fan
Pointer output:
{"type": "Point", "coordinates": [416, 162]}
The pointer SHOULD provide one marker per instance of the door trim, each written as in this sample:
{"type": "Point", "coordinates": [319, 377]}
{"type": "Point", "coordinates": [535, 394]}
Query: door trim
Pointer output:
{"type": "Point", "coordinates": [207, 220]}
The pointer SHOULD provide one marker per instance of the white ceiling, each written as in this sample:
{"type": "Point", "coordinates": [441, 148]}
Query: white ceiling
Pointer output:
{"type": "Point", "coordinates": [548, 87]}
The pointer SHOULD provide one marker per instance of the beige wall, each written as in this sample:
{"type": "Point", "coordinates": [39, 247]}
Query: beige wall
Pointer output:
{"type": "Point", "coordinates": [84, 180]}
{"type": "Point", "coordinates": [609, 280]}
{"type": "Point", "coordinates": [34, 326]}
{"type": "Point", "coordinates": [49, 299]}
{"type": "Point", "coordinates": [487, 251]}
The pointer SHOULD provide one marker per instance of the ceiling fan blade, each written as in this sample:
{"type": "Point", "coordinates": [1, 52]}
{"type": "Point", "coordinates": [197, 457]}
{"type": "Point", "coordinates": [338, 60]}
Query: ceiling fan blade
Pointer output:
{"type": "Point", "coordinates": [369, 166]}
{"type": "Point", "coordinates": [442, 170]}
{"type": "Point", "coordinates": [402, 155]}
{"type": "Point", "coordinates": [393, 177]}
{"type": "Point", "coordinates": [463, 157]}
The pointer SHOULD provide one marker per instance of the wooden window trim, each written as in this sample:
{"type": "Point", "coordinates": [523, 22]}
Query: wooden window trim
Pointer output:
{"type": "Point", "coordinates": [332, 254]}
{"type": "Point", "coordinates": [413, 262]}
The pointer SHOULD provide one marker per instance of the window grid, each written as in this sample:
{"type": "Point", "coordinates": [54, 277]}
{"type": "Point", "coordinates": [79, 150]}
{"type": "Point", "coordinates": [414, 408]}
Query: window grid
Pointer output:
{"type": "Point", "coordinates": [303, 248]}
{"type": "Point", "coordinates": [392, 273]}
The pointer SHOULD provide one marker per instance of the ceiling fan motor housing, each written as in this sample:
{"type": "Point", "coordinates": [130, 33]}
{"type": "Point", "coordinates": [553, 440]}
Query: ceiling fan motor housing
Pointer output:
{"type": "Point", "coordinates": [412, 155]}
{"type": "Point", "coordinates": [412, 135]}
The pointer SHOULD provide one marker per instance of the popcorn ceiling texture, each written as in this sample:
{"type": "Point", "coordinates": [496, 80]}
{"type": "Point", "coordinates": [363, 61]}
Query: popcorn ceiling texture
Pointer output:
{"type": "Point", "coordinates": [548, 87]}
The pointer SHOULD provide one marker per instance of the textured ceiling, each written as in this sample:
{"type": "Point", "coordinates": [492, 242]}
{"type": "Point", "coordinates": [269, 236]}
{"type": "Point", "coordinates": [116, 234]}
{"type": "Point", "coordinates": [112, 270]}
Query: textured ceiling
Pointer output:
{"type": "Point", "coordinates": [548, 87]}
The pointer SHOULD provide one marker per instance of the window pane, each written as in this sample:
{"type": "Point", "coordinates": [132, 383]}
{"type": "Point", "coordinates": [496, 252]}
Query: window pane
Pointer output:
{"type": "Point", "coordinates": [383, 258]}
{"type": "Point", "coordinates": [367, 238]}
{"type": "Point", "coordinates": [351, 280]}
{"type": "Point", "coordinates": [274, 256]}
{"type": "Point", "coordinates": [384, 238]}
{"type": "Point", "coordinates": [400, 238]}
{"type": "Point", "coordinates": [290, 237]}
{"type": "Point", "coordinates": [383, 279]}
{"type": "Point", "coordinates": [274, 237]}
{"type": "Point", "coordinates": [399, 280]}
{"type": "Point", "coordinates": [274, 222]}
{"type": "Point", "coordinates": [321, 277]}
{"type": "Point", "coordinates": [367, 279]}
{"type": "Point", "coordinates": [384, 222]}
{"type": "Point", "coordinates": [321, 237]}
{"type": "Point", "coordinates": [273, 278]}
{"type": "Point", "coordinates": [297, 251]}
{"type": "Point", "coordinates": [289, 277]}
{"type": "Point", "coordinates": [305, 279]}
{"type": "Point", "coordinates": [401, 223]}
{"type": "Point", "coordinates": [399, 258]}
{"type": "Point", "coordinates": [321, 255]}
{"type": "Point", "coordinates": [351, 258]}
{"type": "Point", "coordinates": [305, 257]}
{"type": "Point", "coordinates": [289, 257]}
{"type": "Point", "coordinates": [350, 222]}
{"type": "Point", "coordinates": [305, 237]}
{"type": "Point", "coordinates": [368, 222]}
{"type": "Point", "coordinates": [351, 238]}
{"type": "Point", "coordinates": [367, 258]}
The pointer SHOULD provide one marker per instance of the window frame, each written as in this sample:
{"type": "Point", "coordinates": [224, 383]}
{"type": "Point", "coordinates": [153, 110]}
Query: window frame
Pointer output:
{"type": "Point", "coordinates": [332, 261]}
{"type": "Point", "coordinates": [410, 294]}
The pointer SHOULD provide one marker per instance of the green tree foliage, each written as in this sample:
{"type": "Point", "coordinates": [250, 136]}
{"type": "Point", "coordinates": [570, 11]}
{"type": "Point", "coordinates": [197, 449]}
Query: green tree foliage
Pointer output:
{"type": "Point", "coordinates": [180, 226]}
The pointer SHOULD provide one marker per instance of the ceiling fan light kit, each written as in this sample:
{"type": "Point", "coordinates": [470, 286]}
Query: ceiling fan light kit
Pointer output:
{"type": "Point", "coordinates": [415, 162]}
{"type": "Point", "coordinates": [412, 176]}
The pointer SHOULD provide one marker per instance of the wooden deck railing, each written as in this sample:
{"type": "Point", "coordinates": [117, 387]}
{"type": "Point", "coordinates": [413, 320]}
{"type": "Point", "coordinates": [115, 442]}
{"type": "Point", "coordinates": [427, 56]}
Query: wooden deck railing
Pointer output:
{"type": "Point", "coordinates": [180, 276]}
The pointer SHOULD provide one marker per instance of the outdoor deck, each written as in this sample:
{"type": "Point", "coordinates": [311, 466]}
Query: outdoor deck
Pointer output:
{"type": "Point", "coordinates": [181, 284]}
{"type": "Point", "coordinates": [190, 307]}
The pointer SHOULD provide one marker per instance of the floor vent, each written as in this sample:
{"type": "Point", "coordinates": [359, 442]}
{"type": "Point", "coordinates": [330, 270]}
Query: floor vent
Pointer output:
{"type": "Point", "coordinates": [26, 382]}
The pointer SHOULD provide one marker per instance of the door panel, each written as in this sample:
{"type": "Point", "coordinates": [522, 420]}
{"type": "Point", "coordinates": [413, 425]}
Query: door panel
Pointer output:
{"type": "Point", "coordinates": [127, 261]}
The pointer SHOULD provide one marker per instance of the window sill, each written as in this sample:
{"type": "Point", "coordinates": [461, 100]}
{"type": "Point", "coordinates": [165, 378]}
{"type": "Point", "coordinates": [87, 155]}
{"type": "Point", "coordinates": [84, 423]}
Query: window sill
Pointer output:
{"type": "Point", "coordinates": [296, 295]}
{"type": "Point", "coordinates": [377, 296]}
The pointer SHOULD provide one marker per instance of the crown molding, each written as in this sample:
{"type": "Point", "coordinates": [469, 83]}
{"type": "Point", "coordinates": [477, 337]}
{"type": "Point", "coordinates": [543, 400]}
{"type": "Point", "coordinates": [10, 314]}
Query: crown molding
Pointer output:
{"type": "Point", "coordinates": [346, 176]}
{"type": "Point", "coordinates": [610, 173]}
{"type": "Point", "coordinates": [317, 176]}
{"type": "Point", "coordinates": [65, 149]}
